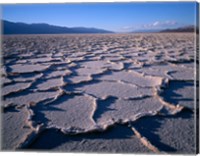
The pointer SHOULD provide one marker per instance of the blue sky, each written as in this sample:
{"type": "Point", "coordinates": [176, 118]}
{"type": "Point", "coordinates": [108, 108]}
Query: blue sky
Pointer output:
{"type": "Point", "coordinates": [120, 17]}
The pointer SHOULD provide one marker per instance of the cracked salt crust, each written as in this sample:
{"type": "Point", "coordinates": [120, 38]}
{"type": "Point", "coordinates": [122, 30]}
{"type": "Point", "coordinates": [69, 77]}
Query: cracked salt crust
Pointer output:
{"type": "Point", "coordinates": [112, 79]}
{"type": "Point", "coordinates": [27, 68]}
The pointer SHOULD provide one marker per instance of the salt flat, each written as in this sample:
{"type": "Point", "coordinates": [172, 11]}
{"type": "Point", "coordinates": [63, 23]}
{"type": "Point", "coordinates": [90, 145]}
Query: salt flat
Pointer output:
{"type": "Point", "coordinates": [99, 93]}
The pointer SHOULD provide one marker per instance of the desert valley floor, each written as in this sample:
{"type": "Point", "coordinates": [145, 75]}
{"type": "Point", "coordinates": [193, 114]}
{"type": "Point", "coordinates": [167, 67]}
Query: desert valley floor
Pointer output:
{"type": "Point", "coordinates": [99, 93]}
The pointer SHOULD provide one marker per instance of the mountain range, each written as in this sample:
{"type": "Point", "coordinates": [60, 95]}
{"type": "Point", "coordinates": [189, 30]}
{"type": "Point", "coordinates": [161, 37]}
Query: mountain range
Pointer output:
{"type": "Point", "coordinates": [43, 28]}
{"type": "Point", "coordinates": [190, 28]}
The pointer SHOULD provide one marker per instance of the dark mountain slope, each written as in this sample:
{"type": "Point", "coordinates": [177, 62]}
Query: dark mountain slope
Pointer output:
{"type": "Point", "coordinates": [23, 28]}
{"type": "Point", "coordinates": [182, 29]}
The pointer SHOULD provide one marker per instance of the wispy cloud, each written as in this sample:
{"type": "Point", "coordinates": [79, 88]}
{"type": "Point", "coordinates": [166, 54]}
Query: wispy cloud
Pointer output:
{"type": "Point", "coordinates": [156, 25]}
{"type": "Point", "coordinates": [127, 28]}
{"type": "Point", "coordinates": [160, 24]}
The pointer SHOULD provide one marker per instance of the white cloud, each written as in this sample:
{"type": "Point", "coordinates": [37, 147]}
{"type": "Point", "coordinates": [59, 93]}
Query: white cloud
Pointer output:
{"type": "Point", "coordinates": [170, 22]}
{"type": "Point", "coordinates": [160, 24]}
{"type": "Point", "coordinates": [127, 27]}
{"type": "Point", "coordinates": [156, 23]}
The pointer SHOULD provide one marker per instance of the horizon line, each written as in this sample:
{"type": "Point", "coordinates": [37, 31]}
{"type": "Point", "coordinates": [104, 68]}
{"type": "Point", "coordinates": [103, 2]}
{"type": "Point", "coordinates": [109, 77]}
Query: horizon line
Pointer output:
{"type": "Point", "coordinates": [111, 31]}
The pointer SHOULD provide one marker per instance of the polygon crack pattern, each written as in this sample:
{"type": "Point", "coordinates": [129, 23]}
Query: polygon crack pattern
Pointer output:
{"type": "Point", "coordinates": [69, 85]}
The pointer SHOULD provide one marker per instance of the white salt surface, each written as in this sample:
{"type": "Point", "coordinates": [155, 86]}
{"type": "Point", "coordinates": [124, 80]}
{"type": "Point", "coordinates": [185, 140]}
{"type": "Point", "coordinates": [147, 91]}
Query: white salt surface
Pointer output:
{"type": "Point", "coordinates": [27, 68]}
{"type": "Point", "coordinates": [120, 90]}
{"type": "Point", "coordinates": [134, 78]}
{"type": "Point", "coordinates": [31, 78]}
{"type": "Point", "coordinates": [34, 97]}
{"type": "Point", "coordinates": [128, 110]}
{"type": "Point", "coordinates": [40, 60]}
{"type": "Point", "coordinates": [50, 83]}
{"type": "Point", "coordinates": [88, 71]}
{"type": "Point", "coordinates": [78, 79]}
{"type": "Point", "coordinates": [12, 88]}
{"type": "Point", "coordinates": [75, 113]}
{"type": "Point", "coordinates": [5, 80]}
{"type": "Point", "coordinates": [14, 121]}
{"type": "Point", "coordinates": [80, 83]}
{"type": "Point", "coordinates": [57, 73]}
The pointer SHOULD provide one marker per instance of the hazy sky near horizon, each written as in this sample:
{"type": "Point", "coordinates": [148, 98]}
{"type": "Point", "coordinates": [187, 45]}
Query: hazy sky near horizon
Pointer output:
{"type": "Point", "coordinates": [119, 17]}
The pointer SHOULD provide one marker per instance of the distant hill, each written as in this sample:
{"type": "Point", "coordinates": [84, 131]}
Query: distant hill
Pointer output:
{"type": "Point", "coordinates": [42, 28]}
{"type": "Point", "coordinates": [181, 29]}
{"type": "Point", "coordinates": [146, 31]}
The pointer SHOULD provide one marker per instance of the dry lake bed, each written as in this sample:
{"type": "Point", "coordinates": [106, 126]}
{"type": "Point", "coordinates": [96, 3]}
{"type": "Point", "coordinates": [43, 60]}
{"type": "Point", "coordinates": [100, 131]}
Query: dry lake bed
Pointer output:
{"type": "Point", "coordinates": [99, 93]}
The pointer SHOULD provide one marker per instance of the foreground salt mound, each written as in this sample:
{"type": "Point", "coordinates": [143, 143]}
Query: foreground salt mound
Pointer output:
{"type": "Point", "coordinates": [50, 83]}
{"type": "Point", "coordinates": [75, 112]}
{"type": "Point", "coordinates": [118, 89]}
{"type": "Point", "coordinates": [15, 127]}
{"type": "Point", "coordinates": [12, 88]}
{"type": "Point", "coordinates": [180, 93]}
{"type": "Point", "coordinates": [134, 78]}
{"type": "Point", "coordinates": [94, 114]}
{"type": "Point", "coordinates": [120, 110]}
